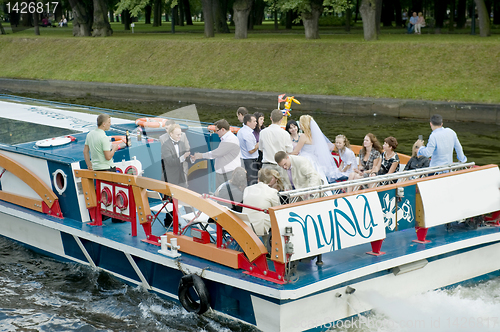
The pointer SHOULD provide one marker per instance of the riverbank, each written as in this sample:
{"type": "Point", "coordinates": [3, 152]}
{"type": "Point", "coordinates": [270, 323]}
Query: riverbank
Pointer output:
{"type": "Point", "coordinates": [400, 108]}
{"type": "Point", "coordinates": [451, 68]}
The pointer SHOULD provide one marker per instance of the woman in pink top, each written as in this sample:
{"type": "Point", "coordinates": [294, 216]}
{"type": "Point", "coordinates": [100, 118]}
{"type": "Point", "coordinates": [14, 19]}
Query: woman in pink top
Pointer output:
{"type": "Point", "coordinates": [420, 23]}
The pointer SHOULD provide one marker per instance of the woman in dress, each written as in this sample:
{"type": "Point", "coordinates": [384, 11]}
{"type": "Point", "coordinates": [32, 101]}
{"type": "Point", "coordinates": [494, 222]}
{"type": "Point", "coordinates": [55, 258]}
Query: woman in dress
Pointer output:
{"type": "Point", "coordinates": [369, 159]}
{"type": "Point", "coordinates": [390, 159]}
{"type": "Point", "coordinates": [293, 129]}
{"type": "Point", "coordinates": [349, 162]}
{"type": "Point", "coordinates": [316, 147]}
{"type": "Point", "coordinates": [256, 132]}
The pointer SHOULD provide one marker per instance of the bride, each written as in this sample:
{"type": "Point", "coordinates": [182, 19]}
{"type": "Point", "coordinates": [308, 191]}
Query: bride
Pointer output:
{"type": "Point", "coordinates": [316, 147]}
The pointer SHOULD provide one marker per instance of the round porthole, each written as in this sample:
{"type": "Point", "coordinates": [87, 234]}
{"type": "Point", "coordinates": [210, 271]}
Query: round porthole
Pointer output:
{"type": "Point", "coordinates": [121, 200]}
{"type": "Point", "coordinates": [106, 196]}
{"type": "Point", "coordinates": [59, 181]}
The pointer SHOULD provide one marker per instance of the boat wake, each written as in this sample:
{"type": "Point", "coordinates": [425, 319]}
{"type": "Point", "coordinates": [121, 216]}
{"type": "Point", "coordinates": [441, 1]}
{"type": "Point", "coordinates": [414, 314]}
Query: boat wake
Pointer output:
{"type": "Point", "coordinates": [470, 307]}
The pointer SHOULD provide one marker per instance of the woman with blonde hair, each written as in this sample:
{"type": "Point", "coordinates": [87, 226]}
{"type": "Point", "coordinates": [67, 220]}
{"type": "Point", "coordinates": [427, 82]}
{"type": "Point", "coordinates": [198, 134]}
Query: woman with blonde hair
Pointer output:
{"type": "Point", "coordinates": [349, 162]}
{"type": "Point", "coordinates": [316, 147]}
{"type": "Point", "coordinates": [420, 23]}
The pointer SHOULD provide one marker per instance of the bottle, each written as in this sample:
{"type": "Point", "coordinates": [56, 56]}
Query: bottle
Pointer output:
{"type": "Point", "coordinates": [127, 138]}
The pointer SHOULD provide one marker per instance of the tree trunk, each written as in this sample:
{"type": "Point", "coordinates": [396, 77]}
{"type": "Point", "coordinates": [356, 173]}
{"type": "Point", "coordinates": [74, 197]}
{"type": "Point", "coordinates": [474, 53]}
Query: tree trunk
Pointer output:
{"type": "Point", "coordinates": [484, 19]}
{"type": "Point", "coordinates": [387, 13]}
{"type": "Point", "coordinates": [399, 13]}
{"type": "Point", "coordinates": [187, 12]}
{"type": "Point", "coordinates": [289, 20]}
{"type": "Point", "coordinates": [250, 18]}
{"type": "Point", "coordinates": [451, 27]}
{"type": "Point", "coordinates": [311, 19]}
{"type": "Point", "coordinates": [82, 18]}
{"type": "Point", "coordinates": [220, 19]}
{"type": "Point", "coordinates": [158, 10]}
{"type": "Point", "coordinates": [147, 14]}
{"type": "Point", "coordinates": [356, 11]}
{"type": "Point", "coordinates": [126, 19]}
{"type": "Point", "coordinates": [36, 24]}
{"type": "Point", "coordinates": [2, 30]}
{"type": "Point", "coordinates": [111, 17]}
{"type": "Point", "coordinates": [181, 12]}
{"type": "Point", "coordinates": [348, 15]}
{"type": "Point", "coordinates": [209, 18]}
{"type": "Point", "coordinates": [378, 6]}
{"type": "Point", "coordinates": [241, 9]}
{"type": "Point", "coordinates": [58, 14]}
{"type": "Point", "coordinates": [258, 8]}
{"type": "Point", "coordinates": [101, 26]}
{"type": "Point", "coordinates": [417, 6]}
{"type": "Point", "coordinates": [439, 13]}
{"type": "Point", "coordinates": [275, 19]}
{"type": "Point", "coordinates": [462, 4]}
{"type": "Point", "coordinates": [368, 12]}
{"type": "Point", "coordinates": [496, 12]}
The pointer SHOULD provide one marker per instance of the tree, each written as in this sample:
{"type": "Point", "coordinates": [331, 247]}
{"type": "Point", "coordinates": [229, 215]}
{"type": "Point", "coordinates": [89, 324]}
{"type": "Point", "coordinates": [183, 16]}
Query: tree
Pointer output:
{"type": "Point", "coordinates": [484, 19]}
{"type": "Point", "coordinates": [462, 4]}
{"type": "Point", "coordinates": [241, 9]}
{"type": "Point", "coordinates": [220, 16]}
{"type": "Point", "coordinates": [368, 10]}
{"type": "Point", "coordinates": [209, 17]}
{"type": "Point", "coordinates": [36, 24]}
{"type": "Point", "coordinates": [2, 30]}
{"type": "Point", "coordinates": [82, 14]}
{"type": "Point", "coordinates": [310, 11]}
{"type": "Point", "coordinates": [101, 26]}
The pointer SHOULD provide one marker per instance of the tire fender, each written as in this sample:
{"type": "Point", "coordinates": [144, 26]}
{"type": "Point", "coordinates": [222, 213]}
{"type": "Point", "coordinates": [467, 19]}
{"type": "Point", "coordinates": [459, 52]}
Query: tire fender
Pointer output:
{"type": "Point", "coordinates": [187, 301]}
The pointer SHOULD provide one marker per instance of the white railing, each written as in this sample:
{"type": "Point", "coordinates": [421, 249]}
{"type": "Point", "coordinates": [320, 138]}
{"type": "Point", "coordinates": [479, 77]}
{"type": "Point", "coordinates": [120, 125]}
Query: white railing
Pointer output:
{"type": "Point", "coordinates": [371, 182]}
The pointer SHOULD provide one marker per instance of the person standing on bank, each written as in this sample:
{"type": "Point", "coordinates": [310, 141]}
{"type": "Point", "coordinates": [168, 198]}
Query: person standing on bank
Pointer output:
{"type": "Point", "coordinates": [227, 156]}
{"type": "Point", "coordinates": [249, 146]}
{"type": "Point", "coordinates": [173, 155]}
{"type": "Point", "coordinates": [98, 151]}
{"type": "Point", "coordinates": [441, 144]}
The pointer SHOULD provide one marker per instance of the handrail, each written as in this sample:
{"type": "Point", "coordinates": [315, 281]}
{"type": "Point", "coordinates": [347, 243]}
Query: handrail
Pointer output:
{"type": "Point", "coordinates": [241, 232]}
{"type": "Point", "coordinates": [48, 202]}
{"type": "Point", "coordinates": [220, 199]}
{"type": "Point", "coordinates": [375, 179]}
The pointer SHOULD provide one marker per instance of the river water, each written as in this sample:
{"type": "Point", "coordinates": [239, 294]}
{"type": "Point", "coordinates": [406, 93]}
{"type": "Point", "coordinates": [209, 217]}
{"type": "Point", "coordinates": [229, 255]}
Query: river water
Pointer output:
{"type": "Point", "coordinates": [41, 294]}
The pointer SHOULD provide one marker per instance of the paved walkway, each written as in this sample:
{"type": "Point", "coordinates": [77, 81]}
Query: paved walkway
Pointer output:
{"type": "Point", "coordinates": [405, 108]}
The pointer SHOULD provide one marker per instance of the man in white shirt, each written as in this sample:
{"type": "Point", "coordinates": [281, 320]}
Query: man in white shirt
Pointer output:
{"type": "Point", "coordinates": [273, 139]}
{"type": "Point", "coordinates": [227, 156]}
{"type": "Point", "coordinates": [249, 146]}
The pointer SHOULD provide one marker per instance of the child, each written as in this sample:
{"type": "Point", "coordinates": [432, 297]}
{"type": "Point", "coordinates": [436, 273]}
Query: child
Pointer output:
{"type": "Point", "coordinates": [348, 158]}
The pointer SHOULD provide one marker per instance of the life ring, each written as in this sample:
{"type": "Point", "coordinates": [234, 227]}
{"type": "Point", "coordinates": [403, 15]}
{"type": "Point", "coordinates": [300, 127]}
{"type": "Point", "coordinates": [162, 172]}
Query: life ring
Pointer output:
{"type": "Point", "coordinates": [117, 140]}
{"type": "Point", "coordinates": [151, 122]}
{"type": "Point", "coordinates": [185, 297]}
{"type": "Point", "coordinates": [213, 128]}
{"type": "Point", "coordinates": [56, 141]}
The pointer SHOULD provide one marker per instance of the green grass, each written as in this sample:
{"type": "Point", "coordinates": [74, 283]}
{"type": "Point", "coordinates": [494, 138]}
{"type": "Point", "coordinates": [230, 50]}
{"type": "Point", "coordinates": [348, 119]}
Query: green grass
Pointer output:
{"type": "Point", "coordinates": [455, 67]}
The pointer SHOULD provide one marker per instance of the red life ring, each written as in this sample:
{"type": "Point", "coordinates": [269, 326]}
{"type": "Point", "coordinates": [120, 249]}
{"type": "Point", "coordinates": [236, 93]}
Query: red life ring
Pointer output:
{"type": "Point", "coordinates": [213, 128]}
{"type": "Point", "coordinates": [151, 122]}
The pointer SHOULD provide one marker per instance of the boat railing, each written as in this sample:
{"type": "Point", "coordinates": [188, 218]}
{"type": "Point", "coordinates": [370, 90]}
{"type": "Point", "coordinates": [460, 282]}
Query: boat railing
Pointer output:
{"type": "Point", "coordinates": [292, 196]}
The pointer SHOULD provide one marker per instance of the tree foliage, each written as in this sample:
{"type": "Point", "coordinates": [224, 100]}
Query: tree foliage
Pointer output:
{"type": "Point", "coordinates": [305, 6]}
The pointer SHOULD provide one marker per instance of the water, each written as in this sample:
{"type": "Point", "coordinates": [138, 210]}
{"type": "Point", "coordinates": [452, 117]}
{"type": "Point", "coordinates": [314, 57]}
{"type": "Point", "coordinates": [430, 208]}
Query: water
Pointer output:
{"type": "Point", "coordinates": [480, 141]}
{"type": "Point", "coordinates": [40, 294]}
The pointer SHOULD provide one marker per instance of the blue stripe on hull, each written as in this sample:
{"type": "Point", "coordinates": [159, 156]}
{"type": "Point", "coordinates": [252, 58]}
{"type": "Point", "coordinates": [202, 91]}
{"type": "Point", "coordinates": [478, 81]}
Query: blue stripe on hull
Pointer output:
{"type": "Point", "coordinates": [226, 299]}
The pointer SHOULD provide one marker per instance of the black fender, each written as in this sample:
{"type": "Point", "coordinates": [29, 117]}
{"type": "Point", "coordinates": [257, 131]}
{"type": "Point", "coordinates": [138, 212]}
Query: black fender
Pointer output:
{"type": "Point", "coordinates": [187, 301]}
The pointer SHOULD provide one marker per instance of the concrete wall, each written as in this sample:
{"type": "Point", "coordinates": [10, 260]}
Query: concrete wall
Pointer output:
{"type": "Point", "coordinates": [405, 108]}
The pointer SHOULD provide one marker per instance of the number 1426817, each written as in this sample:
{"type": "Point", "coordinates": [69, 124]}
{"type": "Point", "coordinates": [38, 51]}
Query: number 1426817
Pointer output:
{"type": "Point", "coordinates": [31, 7]}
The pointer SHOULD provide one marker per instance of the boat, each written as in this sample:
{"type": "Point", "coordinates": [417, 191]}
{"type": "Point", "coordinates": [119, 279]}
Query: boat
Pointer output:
{"type": "Point", "coordinates": [398, 234]}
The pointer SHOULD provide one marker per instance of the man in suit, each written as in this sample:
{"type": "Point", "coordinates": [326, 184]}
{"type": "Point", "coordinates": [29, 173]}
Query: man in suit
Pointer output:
{"type": "Point", "coordinates": [301, 173]}
{"type": "Point", "coordinates": [262, 196]}
{"type": "Point", "coordinates": [183, 139]}
{"type": "Point", "coordinates": [173, 154]}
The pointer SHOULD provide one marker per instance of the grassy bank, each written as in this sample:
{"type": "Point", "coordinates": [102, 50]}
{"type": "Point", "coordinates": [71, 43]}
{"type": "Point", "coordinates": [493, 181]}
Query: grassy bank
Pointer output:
{"type": "Point", "coordinates": [456, 67]}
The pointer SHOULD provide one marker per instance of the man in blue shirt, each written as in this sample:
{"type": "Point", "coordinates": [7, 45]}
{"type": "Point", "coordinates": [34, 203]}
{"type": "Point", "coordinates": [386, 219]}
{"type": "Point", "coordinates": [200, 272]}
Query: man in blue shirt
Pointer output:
{"type": "Point", "coordinates": [441, 143]}
{"type": "Point", "coordinates": [413, 21]}
{"type": "Point", "coordinates": [249, 147]}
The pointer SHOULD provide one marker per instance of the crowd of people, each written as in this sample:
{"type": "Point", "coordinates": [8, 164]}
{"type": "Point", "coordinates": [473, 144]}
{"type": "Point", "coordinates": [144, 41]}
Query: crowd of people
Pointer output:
{"type": "Point", "coordinates": [253, 166]}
